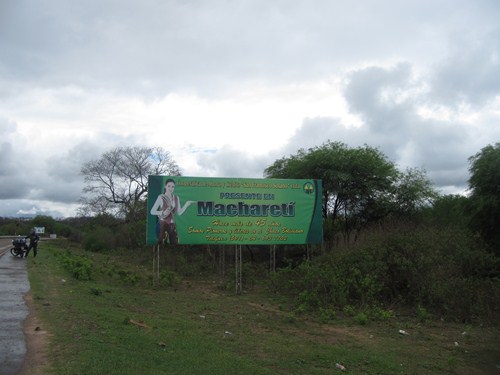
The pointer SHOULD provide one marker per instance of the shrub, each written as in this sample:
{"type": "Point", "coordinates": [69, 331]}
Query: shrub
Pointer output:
{"type": "Point", "coordinates": [78, 266]}
{"type": "Point", "coordinates": [445, 271]}
{"type": "Point", "coordinates": [96, 291]}
{"type": "Point", "coordinates": [361, 318]}
{"type": "Point", "coordinates": [99, 239]}
{"type": "Point", "coordinates": [168, 278]}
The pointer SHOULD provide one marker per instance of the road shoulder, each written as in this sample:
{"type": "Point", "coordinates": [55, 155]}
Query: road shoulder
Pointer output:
{"type": "Point", "coordinates": [37, 342]}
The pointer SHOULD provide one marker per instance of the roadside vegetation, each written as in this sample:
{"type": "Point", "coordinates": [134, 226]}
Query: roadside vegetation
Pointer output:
{"type": "Point", "coordinates": [406, 280]}
{"type": "Point", "coordinates": [104, 316]}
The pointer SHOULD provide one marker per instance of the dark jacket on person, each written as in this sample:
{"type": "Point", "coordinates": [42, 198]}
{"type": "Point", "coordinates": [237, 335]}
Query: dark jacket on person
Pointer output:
{"type": "Point", "coordinates": [34, 238]}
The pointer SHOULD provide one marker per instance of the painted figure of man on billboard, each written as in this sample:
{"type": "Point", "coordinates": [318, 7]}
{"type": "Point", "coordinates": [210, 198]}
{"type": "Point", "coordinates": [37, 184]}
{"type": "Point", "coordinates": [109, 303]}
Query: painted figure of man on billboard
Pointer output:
{"type": "Point", "coordinates": [165, 208]}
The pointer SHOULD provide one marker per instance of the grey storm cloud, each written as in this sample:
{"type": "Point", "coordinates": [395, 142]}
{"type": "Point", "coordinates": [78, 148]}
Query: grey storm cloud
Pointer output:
{"type": "Point", "coordinates": [229, 162]}
{"type": "Point", "coordinates": [470, 72]}
{"type": "Point", "coordinates": [393, 125]}
{"type": "Point", "coordinates": [13, 166]}
{"type": "Point", "coordinates": [165, 45]}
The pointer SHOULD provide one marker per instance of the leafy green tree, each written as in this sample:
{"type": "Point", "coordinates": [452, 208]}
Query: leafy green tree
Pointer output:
{"type": "Point", "coordinates": [349, 176]}
{"type": "Point", "coordinates": [484, 185]}
{"type": "Point", "coordinates": [360, 185]}
{"type": "Point", "coordinates": [413, 191]}
{"type": "Point", "coordinates": [47, 222]}
{"type": "Point", "coordinates": [449, 210]}
{"type": "Point", "coordinates": [11, 226]}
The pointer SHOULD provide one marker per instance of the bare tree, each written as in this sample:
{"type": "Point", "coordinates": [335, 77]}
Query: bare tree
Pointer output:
{"type": "Point", "coordinates": [117, 182]}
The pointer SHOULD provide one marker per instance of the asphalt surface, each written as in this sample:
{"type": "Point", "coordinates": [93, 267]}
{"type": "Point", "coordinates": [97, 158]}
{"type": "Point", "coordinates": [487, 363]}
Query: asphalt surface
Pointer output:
{"type": "Point", "coordinates": [14, 285]}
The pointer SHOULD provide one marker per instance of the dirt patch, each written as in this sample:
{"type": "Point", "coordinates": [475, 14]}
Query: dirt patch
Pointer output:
{"type": "Point", "coordinates": [37, 342]}
{"type": "Point", "coordinates": [267, 308]}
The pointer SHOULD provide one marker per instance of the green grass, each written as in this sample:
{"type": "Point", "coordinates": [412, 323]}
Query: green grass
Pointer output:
{"type": "Point", "coordinates": [196, 326]}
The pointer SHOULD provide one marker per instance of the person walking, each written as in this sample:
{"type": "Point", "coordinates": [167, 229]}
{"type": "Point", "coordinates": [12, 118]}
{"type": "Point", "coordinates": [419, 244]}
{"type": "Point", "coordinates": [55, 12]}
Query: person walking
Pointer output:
{"type": "Point", "coordinates": [34, 238]}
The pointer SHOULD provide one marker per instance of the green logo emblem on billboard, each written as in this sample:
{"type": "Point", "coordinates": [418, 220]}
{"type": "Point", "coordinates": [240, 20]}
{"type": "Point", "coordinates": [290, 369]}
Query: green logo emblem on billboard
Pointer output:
{"type": "Point", "coordinates": [308, 188]}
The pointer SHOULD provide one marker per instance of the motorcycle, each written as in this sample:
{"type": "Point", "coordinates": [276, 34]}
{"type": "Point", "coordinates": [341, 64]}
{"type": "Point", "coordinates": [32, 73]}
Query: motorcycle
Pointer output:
{"type": "Point", "coordinates": [19, 247]}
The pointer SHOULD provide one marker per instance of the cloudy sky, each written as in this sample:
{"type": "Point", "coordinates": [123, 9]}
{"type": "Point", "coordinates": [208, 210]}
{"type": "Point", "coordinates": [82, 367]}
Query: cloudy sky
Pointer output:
{"type": "Point", "coordinates": [229, 86]}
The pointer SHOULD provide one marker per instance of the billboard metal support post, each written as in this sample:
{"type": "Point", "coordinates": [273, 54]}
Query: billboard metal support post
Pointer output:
{"type": "Point", "coordinates": [222, 260]}
{"type": "Point", "coordinates": [272, 259]}
{"type": "Point", "coordinates": [156, 265]}
{"type": "Point", "coordinates": [238, 267]}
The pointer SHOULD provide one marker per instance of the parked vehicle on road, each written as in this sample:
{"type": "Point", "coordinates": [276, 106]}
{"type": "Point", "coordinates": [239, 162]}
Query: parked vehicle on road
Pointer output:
{"type": "Point", "coordinates": [19, 247]}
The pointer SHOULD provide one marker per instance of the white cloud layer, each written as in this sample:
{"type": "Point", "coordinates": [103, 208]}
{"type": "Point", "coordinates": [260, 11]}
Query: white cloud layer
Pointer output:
{"type": "Point", "coordinates": [229, 87]}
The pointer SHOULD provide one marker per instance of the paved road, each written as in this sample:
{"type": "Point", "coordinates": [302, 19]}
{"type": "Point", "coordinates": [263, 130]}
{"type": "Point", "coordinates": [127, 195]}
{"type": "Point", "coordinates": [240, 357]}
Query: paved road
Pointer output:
{"type": "Point", "coordinates": [13, 310]}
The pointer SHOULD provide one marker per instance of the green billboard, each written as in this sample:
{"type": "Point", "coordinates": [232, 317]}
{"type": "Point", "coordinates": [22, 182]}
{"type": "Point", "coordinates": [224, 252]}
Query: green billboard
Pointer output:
{"type": "Point", "coordinates": [200, 210]}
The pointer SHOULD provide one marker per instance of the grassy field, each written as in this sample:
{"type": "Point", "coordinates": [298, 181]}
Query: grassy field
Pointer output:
{"type": "Point", "coordinates": [104, 317]}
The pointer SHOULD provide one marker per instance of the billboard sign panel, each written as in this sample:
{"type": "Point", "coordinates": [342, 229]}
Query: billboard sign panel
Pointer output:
{"type": "Point", "coordinates": [201, 210]}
